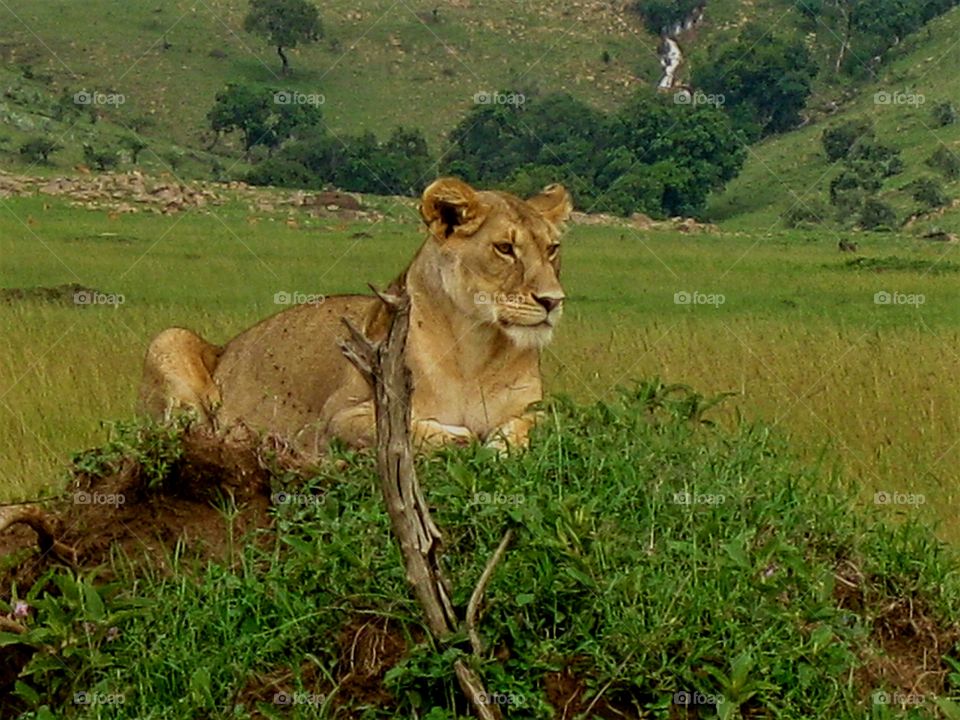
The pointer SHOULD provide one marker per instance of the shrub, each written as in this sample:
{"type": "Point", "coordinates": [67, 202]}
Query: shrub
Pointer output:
{"type": "Point", "coordinates": [280, 172]}
{"type": "Point", "coordinates": [39, 149]}
{"type": "Point", "coordinates": [838, 140]}
{"type": "Point", "coordinates": [944, 113]}
{"type": "Point", "coordinates": [877, 215]}
{"type": "Point", "coordinates": [102, 159]}
{"type": "Point", "coordinates": [929, 193]}
{"type": "Point", "coordinates": [808, 212]}
{"type": "Point", "coordinates": [869, 157]}
{"type": "Point", "coordinates": [946, 161]}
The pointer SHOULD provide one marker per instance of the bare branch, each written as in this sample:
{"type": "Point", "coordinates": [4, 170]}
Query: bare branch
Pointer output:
{"type": "Point", "coordinates": [473, 607]}
{"type": "Point", "coordinates": [45, 525]}
{"type": "Point", "coordinates": [384, 364]}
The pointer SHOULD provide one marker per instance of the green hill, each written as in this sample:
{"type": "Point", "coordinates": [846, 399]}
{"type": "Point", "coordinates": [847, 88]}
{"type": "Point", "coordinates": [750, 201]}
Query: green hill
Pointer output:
{"type": "Point", "coordinates": [377, 66]}
{"type": "Point", "coordinates": [793, 169]}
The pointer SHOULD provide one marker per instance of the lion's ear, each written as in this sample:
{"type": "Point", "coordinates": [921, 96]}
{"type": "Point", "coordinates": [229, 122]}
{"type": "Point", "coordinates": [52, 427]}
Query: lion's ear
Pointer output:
{"type": "Point", "coordinates": [554, 203]}
{"type": "Point", "coordinates": [449, 204]}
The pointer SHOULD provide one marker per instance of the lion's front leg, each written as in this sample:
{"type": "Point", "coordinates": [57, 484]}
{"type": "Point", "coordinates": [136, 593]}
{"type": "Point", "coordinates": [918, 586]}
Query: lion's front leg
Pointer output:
{"type": "Point", "coordinates": [355, 425]}
{"type": "Point", "coordinates": [431, 434]}
{"type": "Point", "coordinates": [513, 434]}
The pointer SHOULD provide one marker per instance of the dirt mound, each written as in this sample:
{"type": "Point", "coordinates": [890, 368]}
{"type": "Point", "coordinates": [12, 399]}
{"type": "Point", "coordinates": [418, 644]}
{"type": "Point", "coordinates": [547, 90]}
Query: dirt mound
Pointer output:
{"type": "Point", "coordinates": [66, 294]}
{"type": "Point", "coordinates": [118, 510]}
{"type": "Point", "coordinates": [907, 644]}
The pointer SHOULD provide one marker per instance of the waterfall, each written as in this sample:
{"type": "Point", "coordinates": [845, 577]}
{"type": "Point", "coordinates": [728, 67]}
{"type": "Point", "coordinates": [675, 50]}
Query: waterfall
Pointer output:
{"type": "Point", "coordinates": [671, 56]}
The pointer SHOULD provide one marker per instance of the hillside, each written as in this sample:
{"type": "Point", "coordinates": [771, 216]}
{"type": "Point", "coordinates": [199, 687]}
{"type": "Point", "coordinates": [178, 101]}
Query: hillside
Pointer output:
{"type": "Point", "coordinates": [375, 68]}
{"type": "Point", "coordinates": [793, 168]}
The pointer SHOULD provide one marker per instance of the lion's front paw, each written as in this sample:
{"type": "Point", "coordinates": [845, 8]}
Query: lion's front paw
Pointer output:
{"type": "Point", "coordinates": [514, 434]}
{"type": "Point", "coordinates": [430, 434]}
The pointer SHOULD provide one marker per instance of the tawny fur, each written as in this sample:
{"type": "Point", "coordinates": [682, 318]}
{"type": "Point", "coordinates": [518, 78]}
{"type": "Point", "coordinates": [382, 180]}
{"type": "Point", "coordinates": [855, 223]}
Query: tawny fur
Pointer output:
{"type": "Point", "coordinates": [485, 298]}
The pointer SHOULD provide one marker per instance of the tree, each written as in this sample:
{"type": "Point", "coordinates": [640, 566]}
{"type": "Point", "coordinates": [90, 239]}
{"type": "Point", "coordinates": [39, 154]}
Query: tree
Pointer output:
{"type": "Point", "coordinates": [264, 117]}
{"type": "Point", "coordinates": [838, 140]}
{"type": "Point", "coordinates": [39, 149]}
{"type": "Point", "coordinates": [764, 80]}
{"type": "Point", "coordinates": [134, 145]}
{"type": "Point", "coordinates": [284, 24]}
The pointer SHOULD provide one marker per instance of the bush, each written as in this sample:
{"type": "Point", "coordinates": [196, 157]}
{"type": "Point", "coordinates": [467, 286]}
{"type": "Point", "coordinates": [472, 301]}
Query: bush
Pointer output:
{"type": "Point", "coordinates": [929, 193]}
{"type": "Point", "coordinates": [946, 161]}
{"type": "Point", "coordinates": [281, 172]}
{"type": "Point", "coordinates": [652, 155]}
{"type": "Point", "coordinates": [877, 215]}
{"type": "Point", "coordinates": [103, 159]}
{"type": "Point", "coordinates": [944, 113]}
{"type": "Point", "coordinates": [661, 15]}
{"type": "Point", "coordinates": [39, 149]}
{"type": "Point", "coordinates": [869, 157]}
{"type": "Point", "coordinates": [806, 213]}
{"type": "Point", "coordinates": [839, 140]}
{"type": "Point", "coordinates": [398, 166]}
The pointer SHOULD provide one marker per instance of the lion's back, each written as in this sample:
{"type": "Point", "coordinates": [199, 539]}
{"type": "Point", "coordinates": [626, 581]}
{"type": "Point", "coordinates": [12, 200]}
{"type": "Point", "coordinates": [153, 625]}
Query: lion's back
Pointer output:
{"type": "Point", "coordinates": [281, 374]}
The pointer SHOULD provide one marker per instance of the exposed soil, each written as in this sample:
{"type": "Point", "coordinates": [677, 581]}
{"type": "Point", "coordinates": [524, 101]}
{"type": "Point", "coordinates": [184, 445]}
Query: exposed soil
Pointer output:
{"type": "Point", "coordinates": [118, 513]}
{"type": "Point", "coordinates": [907, 644]}
{"type": "Point", "coordinates": [66, 294]}
{"type": "Point", "coordinates": [369, 646]}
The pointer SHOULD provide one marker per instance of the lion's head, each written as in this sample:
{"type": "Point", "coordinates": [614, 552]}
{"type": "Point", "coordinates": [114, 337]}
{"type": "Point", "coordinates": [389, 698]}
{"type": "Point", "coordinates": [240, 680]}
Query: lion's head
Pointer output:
{"type": "Point", "coordinates": [499, 255]}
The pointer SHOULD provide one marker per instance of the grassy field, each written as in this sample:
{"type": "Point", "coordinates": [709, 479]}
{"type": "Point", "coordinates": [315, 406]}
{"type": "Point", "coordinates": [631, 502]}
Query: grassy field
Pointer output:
{"type": "Point", "coordinates": [870, 390]}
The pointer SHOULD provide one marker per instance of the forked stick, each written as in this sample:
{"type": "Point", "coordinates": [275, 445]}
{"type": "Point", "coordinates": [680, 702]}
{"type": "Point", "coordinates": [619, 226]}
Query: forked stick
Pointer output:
{"type": "Point", "coordinates": [384, 367]}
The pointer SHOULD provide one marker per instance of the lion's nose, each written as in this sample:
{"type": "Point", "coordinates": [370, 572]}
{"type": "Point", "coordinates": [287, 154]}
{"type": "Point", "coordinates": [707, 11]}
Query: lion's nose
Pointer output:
{"type": "Point", "coordinates": [548, 302]}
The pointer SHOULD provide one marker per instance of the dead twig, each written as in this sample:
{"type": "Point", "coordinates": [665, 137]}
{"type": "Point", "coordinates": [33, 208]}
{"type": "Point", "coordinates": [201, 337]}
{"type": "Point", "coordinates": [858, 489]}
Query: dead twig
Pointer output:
{"type": "Point", "coordinates": [383, 365]}
{"type": "Point", "coordinates": [473, 607]}
{"type": "Point", "coordinates": [46, 526]}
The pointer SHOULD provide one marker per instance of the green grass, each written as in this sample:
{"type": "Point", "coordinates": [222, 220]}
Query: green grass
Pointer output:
{"type": "Point", "coordinates": [653, 555]}
{"type": "Point", "coordinates": [378, 65]}
{"type": "Point", "coordinates": [799, 337]}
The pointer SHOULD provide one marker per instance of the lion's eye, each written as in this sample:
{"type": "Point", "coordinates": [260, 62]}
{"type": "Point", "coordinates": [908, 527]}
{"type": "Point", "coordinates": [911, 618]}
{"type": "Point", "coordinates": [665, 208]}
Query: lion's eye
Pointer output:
{"type": "Point", "coordinates": [553, 250]}
{"type": "Point", "coordinates": [504, 249]}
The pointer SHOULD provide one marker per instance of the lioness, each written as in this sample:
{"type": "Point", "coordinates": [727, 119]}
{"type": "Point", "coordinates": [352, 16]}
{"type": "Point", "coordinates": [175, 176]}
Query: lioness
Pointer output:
{"type": "Point", "coordinates": [485, 296]}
